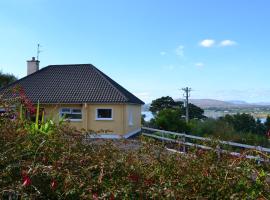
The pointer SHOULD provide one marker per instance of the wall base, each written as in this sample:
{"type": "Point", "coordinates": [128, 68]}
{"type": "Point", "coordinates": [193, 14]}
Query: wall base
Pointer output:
{"type": "Point", "coordinates": [115, 136]}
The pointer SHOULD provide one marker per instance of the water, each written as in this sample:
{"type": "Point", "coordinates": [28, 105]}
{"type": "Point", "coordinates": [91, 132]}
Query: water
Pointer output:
{"type": "Point", "coordinates": [148, 115]}
{"type": "Point", "coordinates": [263, 120]}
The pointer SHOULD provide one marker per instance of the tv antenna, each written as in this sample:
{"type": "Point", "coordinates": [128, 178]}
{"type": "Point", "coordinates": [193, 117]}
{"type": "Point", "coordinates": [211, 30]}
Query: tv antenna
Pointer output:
{"type": "Point", "coordinates": [38, 51]}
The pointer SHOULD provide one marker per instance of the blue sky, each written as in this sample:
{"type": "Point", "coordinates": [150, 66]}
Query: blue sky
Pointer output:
{"type": "Point", "coordinates": [221, 49]}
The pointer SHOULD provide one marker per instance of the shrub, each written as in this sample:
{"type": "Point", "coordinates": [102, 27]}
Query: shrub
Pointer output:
{"type": "Point", "coordinates": [221, 129]}
{"type": "Point", "coordinates": [58, 166]}
{"type": "Point", "coordinates": [170, 119]}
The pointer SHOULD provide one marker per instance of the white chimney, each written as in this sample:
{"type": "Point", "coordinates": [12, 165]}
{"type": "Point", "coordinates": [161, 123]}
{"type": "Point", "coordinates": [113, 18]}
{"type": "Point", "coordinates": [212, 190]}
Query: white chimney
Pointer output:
{"type": "Point", "coordinates": [32, 66]}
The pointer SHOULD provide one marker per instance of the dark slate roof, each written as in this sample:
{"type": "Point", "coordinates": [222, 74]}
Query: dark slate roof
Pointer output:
{"type": "Point", "coordinates": [78, 83]}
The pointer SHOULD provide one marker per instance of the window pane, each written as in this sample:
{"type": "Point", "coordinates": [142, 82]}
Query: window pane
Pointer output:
{"type": "Point", "coordinates": [76, 111]}
{"type": "Point", "coordinates": [104, 113]}
{"type": "Point", "coordinates": [73, 116]}
{"type": "Point", "coordinates": [71, 113]}
{"type": "Point", "coordinates": [65, 110]}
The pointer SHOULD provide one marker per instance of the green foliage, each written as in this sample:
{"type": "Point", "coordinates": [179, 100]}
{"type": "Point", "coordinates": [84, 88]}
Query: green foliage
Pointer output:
{"type": "Point", "coordinates": [37, 126]}
{"type": "Point", "coordinates": [245, 123]}
{"type": "Point", "coordinates": [195, 112]}
{"type": "Point", "coordinates": [267, 123]}
{"type": "Point", "coordinates": [164, 103]}
{"type": "Point", "coordinates": [143, 120]}
{"type": "Point", "coordinates": [171, 120]}
{"type": "Point", "coordinates": [221, 129]}
{"type": "Point", "coordinates": [6, 79]}
{"type": "Point", "coordinates": [167, 102]}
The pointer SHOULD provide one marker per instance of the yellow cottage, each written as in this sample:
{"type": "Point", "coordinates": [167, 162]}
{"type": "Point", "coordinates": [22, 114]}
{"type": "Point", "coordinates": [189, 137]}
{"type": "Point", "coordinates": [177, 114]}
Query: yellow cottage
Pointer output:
{"type": "Point", "coordinates": [86, 96]}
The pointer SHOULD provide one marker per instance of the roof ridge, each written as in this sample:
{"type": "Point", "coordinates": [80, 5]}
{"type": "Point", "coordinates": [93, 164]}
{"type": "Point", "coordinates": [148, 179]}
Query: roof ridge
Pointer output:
{"type": "Point", "coordinates": [65, 65]}
{"type": "Point", "coordinates": [105, 77]}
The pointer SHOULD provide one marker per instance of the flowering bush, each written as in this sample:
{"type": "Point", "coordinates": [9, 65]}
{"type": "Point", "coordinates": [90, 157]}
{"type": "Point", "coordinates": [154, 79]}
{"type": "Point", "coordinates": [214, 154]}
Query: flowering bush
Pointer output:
{"type": "Point", "coordinates": [64, 165]}
{"type": "Point", "coordinates": [58, 166]}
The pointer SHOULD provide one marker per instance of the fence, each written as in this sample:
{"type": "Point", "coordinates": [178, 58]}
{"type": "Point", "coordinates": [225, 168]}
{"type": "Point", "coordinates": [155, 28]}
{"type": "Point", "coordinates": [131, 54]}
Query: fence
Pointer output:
{"type": "Point", "coordinates": [181, 138]}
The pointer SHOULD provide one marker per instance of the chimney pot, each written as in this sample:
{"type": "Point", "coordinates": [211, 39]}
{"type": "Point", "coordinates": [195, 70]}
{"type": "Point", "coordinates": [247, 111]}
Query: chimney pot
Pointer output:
{"type": "Point", "coordinates": [33, 58]}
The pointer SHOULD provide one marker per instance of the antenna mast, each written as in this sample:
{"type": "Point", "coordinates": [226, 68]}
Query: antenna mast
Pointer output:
{"type": "Point", "coordinates": [38, 51]}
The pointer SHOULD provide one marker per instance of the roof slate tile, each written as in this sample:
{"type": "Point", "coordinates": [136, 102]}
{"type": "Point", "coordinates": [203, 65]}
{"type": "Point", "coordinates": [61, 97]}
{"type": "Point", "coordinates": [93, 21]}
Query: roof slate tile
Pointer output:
{"type": "Point", "coordinates": [78, 83]}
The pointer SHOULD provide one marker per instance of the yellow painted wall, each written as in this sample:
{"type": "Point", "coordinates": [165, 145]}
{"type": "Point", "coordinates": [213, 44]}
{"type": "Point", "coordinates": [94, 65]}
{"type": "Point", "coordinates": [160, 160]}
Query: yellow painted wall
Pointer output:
{"type": "Point", "coordinates": [115, 125]}
{"type": "Point", "coordinates": [118, 125]}
{"type": "Point", "coordinates": [133, 117]}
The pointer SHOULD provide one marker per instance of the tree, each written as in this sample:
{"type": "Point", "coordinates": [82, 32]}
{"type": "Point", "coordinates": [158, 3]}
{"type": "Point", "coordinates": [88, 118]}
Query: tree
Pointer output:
{"type": "Point", "coordinates": [164, 103]}
{"type": "Point", "coordinates": [142, 119]}
{"type": "Point", "coordinates": [6, 79]}
{"type": "Point", "coordinates": [267, 123]}
{"type": "Point", "coordinates": [195, 112]}
{"type": "Point", "coordinates": [170, 119]}
{"type": "Point", "coordinates": [245, 123]}
{"type": "Point", "coordinates": [260, 127]}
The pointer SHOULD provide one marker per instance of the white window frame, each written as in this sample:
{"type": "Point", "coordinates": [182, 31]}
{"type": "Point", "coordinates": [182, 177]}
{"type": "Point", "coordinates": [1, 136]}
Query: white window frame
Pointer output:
{"type": "Point", "coordinates": [61, 113]}
{"type": "Point", "coordinates": [100, 119]}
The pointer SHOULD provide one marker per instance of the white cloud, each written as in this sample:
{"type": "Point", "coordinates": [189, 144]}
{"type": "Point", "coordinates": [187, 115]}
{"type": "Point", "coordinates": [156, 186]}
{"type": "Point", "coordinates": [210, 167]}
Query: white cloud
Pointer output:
{"type": "Point", "coordinates": [207, 43]}
{"type": "Point", "coordinates": [180, 50]}
{"type": "Point", "coordinates": [199, 64]}
{"type": "Point", "coordinates": [226, 43]}
{"type": "Point", "coordinates": [163, 53]}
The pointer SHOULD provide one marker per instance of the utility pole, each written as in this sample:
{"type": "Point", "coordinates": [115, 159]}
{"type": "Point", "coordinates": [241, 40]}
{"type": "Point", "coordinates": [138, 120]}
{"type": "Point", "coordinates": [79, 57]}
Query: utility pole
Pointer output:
{"type": "Point", "coordinates": [186, 94]}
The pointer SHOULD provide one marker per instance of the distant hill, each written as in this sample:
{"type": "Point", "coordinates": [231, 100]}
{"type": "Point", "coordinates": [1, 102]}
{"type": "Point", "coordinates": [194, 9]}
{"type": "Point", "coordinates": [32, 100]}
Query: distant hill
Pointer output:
{"type": "Point", "coordinates": [213, 103]}
{"type": "Point", "coordinates": [238, 102]}
{"type": "Point", "coordinates": [207, 103]}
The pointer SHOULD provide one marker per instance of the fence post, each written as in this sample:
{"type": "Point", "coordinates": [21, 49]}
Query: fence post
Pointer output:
{"type": "Point", "coordinates": [184, 146]}
{"type": "Point", "coordinates": [218, 151]}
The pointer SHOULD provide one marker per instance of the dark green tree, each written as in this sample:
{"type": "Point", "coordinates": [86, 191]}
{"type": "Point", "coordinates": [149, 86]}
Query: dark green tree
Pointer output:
{"type": "Point", "coordinates": [170, 119]}
{"type": "Point", "coordinates": [142, 119]}
{"type": "Point", "coordinates": [260, 127]}
{"type": "Point", "coordinates": [195, 112]}
{"type": "Point", "coordinates": [6, 79]}
{"type": "Point", "coordinates": [245, 123]}
{"type": "Point", "coordinates": [267, 123]}
{"type": "Point", "coordinates": [164, 103]}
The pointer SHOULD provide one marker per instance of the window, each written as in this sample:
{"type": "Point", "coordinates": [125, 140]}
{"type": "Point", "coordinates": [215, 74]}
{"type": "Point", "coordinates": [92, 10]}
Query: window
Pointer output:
{"type": "Point", "coordinates": [130, 117]}
{"type": "Point", "coordinates": [72, 114]}
{"type": "Point", "coordinates": [104, 114]}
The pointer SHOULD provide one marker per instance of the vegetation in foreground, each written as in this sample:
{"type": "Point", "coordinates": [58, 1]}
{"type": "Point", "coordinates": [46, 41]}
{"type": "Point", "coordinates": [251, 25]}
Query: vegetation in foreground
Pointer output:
{"type": "Point", "coordinates": [59, 164]}
{"type": "Point", "coordinates": [62, 166]}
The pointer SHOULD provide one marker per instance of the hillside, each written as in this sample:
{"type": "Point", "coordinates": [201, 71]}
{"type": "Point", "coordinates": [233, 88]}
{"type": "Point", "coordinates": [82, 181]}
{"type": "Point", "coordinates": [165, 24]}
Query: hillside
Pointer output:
{"type": "Point", "coordinates": [213, 103]}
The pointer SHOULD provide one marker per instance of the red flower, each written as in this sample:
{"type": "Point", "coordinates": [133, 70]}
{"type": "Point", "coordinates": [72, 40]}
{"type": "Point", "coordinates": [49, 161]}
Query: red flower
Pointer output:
{"type": "Point", "coordinates": [133, 178]}
{"type": "Point", "coordinates": [148, 182]}
{"type": "Point", "coordinates": [26, 181]}
{"type": "Point", "coordinates": [111, 197]}
{"type": "Point", "coordinates": [53, 184]}
{"type": "Point", "coordinates": [95, 196]}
